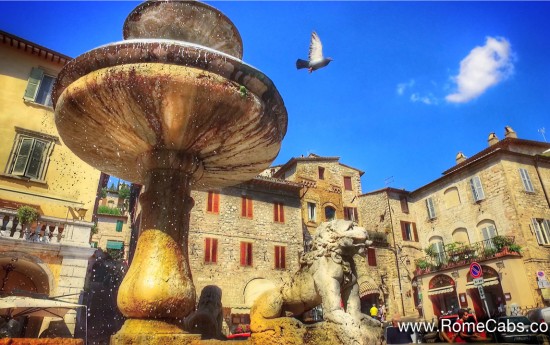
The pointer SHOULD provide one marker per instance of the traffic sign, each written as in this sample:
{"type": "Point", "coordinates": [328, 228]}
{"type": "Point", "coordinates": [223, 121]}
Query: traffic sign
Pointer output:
{"type": "Point", "coordinates": [540, 274]}
{"type": "Point", "coordinates": [478, 281]}
{"type": "Point", "coordinates": [475, 270]}
{"type": "Point", "coordinates": [481, 292]}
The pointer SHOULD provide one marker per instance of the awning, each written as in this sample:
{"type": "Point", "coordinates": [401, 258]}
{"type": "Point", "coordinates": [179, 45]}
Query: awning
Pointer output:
{"type": "Point", "coordinates": [27, 306]}
{"type": "Point", "coordinates": [486, 282]}
{"type": "Point", "coordinates": [441, 290]}
{"type": "Point", "coordinates": [240, 310]}
{"type": "Point", "coordinates": [115, 245]}
{"type": "Point", "coordinates": [368, 288]}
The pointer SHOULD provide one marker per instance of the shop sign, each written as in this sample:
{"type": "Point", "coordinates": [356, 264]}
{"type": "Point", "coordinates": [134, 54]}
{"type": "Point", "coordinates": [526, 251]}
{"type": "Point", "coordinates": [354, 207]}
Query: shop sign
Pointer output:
{"type": "Point", "coordinates": [481, 292]}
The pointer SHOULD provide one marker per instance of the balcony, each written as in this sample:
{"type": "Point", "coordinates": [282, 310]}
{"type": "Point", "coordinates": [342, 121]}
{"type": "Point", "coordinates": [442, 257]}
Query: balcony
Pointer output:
{"type": "Point", "coordinates": [379, 239]}
{"type": "Point", "coordinates": [457, 254]}
{"type": "Point", "coordinates": [49, 230]}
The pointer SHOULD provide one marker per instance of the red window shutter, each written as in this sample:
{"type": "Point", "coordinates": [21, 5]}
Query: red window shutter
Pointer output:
{"type": "Point", "coordinates": [281, 213]}
{"type": "Point", "coordinates": [283, 257]}
{"type": "Point", "coordinates": [249, 256]}
{"type": "Point", "coordinates": [415, 232]}
{"type": "Point", "coordinates": [209, 204]}
{"type": "Point", "coordinates": [275, 212]}
{"type": "Point", "coordinates": [277, 257]}
{"type": "Point", "coordinates": [216, 202]}
{"type": "Point", "coordinates": [404, 231]}
{"type": "Point", "coordinates": [347, 183]}
{"type": "Point", "coordinates": [206, 250]}
{"type": "Point", "coordinates": [243, 206]}
{"type": "Point", "coordinates": [243, 254]}
{"type": "Point", "coordinates": [214, 250]}
{"type": "Point", "coordinates": [249, 213]}
{"type": "Point", "coordinates": [371, 256]}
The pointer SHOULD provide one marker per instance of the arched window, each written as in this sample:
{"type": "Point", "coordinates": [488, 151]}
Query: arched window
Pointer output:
{"type": "Point", "coordinates": [330, 213]}
{"type": "Point", "coordinates": [461, 235]}
{"type": "Point", "coordinates": [487, 230]}
{"type": "Point", "coordinates": [451, 197]}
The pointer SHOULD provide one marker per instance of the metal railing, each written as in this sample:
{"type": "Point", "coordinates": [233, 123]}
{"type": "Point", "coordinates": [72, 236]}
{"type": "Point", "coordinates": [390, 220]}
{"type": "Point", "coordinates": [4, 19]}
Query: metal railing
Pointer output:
{"type": "Point", "coordinates": [379, 239]}
{"type": "Point", "coordinates": [455, 254]}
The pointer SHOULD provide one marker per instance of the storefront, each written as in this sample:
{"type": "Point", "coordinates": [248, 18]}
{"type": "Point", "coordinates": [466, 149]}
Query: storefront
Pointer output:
{"type": "Point", "coordinates": [494, 295]}
{"type": "Point", "coordinates": [369, 294]}
{"type": "Point", "coordinates": [442, 294]}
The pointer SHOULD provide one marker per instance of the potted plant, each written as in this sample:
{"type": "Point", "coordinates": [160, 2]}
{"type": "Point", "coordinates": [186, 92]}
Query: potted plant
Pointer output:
{"type": "Point", "coordinates": [515, 248]}
{"type": "Point", "coordinates": [423, 265]}
{"type": "Point", "coordinates": [489, 252]}
{"type": "Point", "coordinates": [26, 215]}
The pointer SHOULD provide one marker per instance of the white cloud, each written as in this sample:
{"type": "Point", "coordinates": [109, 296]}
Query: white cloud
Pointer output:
{"type": "Point", "coordinates": [403, 86]}
{"type": "Point", "coordinates": [428, 99]}
{"type": "Point", "coordinates": [484, 67]}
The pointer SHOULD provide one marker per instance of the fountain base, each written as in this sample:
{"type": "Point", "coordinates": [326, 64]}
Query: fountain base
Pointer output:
{"type": "Point", "coordinates": [152, 332]}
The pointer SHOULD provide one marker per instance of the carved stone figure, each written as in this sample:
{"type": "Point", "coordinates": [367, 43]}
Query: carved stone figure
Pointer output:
{"type": "Point", "coordinates": [327, 277]}
{"type": "Point", "coordinates": [208, 318]}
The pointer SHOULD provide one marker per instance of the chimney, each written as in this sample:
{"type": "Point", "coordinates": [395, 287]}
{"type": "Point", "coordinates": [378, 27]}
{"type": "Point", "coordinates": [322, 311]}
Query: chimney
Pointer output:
{"type": "Point", "coordinates": [509, 132]}
{"type": "Point", "coordinates": [460, 157]}
{"type": "Point", "coordinates": [493, 139]}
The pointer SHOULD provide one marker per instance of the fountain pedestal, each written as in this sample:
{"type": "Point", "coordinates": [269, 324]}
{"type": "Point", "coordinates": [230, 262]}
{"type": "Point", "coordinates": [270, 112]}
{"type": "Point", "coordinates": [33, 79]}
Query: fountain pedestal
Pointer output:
{"type": "Point", "coordinates": [172, 108]}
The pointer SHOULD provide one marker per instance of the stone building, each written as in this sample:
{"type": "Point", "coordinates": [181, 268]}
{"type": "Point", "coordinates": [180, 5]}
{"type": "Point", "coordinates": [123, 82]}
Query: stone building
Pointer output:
{"type": "Point", "coordinates": [492, 208]}
{"type": "Point", "coordinates": [329, 188]}
{"type": "Point", "coordinates": [48, 256]}
{"type": "Point", "coordinates": [244, 239]}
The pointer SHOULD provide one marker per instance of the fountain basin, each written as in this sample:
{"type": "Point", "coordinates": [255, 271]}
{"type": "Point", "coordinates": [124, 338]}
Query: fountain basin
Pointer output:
{"type": "Point", "coordinates": [137, 97]}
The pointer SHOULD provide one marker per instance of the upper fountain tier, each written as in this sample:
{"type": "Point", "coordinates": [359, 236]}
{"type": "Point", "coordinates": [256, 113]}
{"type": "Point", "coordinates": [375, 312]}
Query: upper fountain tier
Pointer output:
{"type": "Point", "coordinates": [150, 103]}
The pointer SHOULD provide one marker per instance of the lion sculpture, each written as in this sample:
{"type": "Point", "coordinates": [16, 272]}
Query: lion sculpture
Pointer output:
{"type": "Point", "coordinates": [327, 277]}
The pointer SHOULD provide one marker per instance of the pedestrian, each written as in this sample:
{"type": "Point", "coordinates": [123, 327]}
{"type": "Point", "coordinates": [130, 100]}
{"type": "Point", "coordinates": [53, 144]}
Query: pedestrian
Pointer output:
{"type": "Point", "coordinates": [394, 335]}
{"type": "Point", "coordinates": [374, 312]}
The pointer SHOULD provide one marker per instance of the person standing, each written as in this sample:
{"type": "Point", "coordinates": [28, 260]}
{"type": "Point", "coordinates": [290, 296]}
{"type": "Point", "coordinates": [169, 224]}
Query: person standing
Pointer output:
{"type": "Point", "coordinates": [374, 312]}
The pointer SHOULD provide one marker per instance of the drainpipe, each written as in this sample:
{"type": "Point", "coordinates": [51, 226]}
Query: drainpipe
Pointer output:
{"type": "Point", "coordinates": [395, 252]}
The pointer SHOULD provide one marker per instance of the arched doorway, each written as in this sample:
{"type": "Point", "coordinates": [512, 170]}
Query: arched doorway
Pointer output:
{"type": "Point", "coordinates": [494, 295]}
{"type": "Point", "coordinates": [442, 293]}
{"type": "Point", "coordinates": [369, 294]}
{"type": "Point", "coordinates": [22, 274]}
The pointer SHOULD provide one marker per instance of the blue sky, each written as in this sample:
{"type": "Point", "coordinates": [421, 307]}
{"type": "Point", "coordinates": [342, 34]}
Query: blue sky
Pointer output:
{"type": "Point", "coordinates": [411, 84]}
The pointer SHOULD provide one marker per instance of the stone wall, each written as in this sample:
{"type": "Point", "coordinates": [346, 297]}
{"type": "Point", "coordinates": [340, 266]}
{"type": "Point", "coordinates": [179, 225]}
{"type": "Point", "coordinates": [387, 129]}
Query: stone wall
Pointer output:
{"type": "Point", "coordinates": [230, 229]}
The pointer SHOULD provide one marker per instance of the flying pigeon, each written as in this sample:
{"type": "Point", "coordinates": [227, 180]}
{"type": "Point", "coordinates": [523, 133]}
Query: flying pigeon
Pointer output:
{"type": "Point", "coordinates": [316, 59]}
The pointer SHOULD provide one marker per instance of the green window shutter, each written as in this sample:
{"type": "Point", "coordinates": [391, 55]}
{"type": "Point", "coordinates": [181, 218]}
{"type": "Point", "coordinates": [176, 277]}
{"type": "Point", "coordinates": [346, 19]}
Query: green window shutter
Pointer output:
{"type": "Point", "coordinates": [119, 225]}
{"type": "Point", "coordinates": [23, 156]}
{"type": "Point", "coordinates": [32, 86]}
{"type": "Point", "coordinates": [35, 164]}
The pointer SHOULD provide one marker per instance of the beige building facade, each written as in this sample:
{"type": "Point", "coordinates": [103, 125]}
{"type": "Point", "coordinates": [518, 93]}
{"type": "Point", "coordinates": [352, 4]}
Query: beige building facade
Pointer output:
{"type": "Point", "coordinates": [49, 255]}
{"type": "Point", "coordinates": [491, 208]}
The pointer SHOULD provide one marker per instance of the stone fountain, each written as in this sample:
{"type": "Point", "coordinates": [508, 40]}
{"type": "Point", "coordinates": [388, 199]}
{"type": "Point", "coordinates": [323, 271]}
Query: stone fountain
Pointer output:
{"type": "Point", "coordinates": [172, 107]}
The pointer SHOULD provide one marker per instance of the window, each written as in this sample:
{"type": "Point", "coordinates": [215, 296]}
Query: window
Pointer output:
{"type": "Point", "coordinates": [119, 224]}
{"type": "Point", "coordinates": [477, 189]}
{"type": "Point", "coordinates": [439, 248]}
{"type": "Point", "coordinates": [408, 231]}
{"type": "Point", "coordinates": [210, 250]}
{"type": "Point", "coordinates": [431, 208]}
{"type": "Point", "coordinates": [404, 204]}
{"type": "Point", "coordinates": [527, 185]}
{"type": "Point", "coordinates": [347, 183]}
{"type": "Point", "coordinates": [330, 213]}
{"type": "Point", "coordinates": [246, 254]}
{"type": "Point", "coordinates": [246, 207]}
{"type": "Point", "coordinates": [488, 231]}
{"type": "Point", "coordinates": [311, 216]}
{"type": "Point", "coordinates": [213, 202]}
{"type": "Point", "coordinates": [541, 228]}
{"type": "Point", "coordinates": [94, 244]}
{"type": "Point", "coordinates": [279, 212]}
{"type": "Point", "coordinates": [30, 154]}
{"type": "Point", "coordinates": [280, 257]}
{"type": "Point", "coordinates": [321, 173]}
{"type": "Point", "coordinates": [350, 213]}
{"type": "Point", "coordinates": [39, 87]}
{"type": "Point", "coordinates": [371, 256]}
